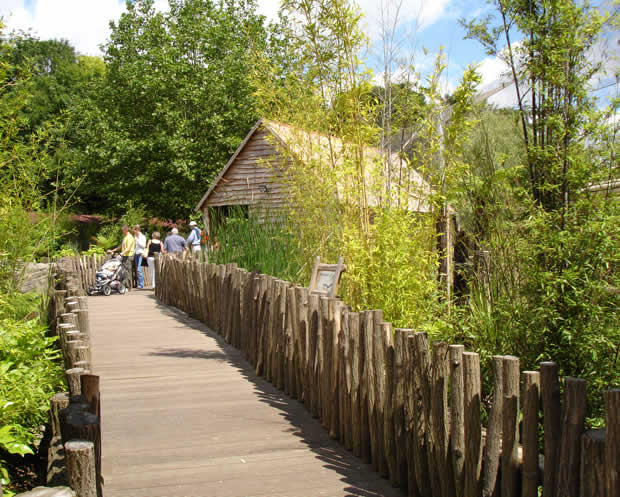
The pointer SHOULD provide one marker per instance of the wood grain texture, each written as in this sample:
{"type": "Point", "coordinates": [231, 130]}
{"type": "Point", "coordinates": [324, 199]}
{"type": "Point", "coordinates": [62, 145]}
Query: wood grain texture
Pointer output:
{"type": "Point", "coordinates": [592, 478]}
{"type": "Point", "coordinates": [185, 415]}
{"type": "Point", "coordinates": [491, 456]}
{"type": "Point", "coordinates": [551, 404]}
{"type": "Point", "coordinates": [510, 428]}
{"type": "Point", "coordinates": [573, 419]}
{"type": "Point", "coordinates": [529, 433]}
{"type": "Point", "coordinates": [612, 442]}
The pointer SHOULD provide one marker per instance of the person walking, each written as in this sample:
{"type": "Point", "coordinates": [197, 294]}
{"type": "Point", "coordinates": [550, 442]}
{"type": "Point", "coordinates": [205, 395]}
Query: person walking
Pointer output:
{"type": "Point", "coordinates": [139, 253]}
{"type": "Point", "coordinates": [174, 243]}
{"type": "Point", "coordinates": [153, 247]}
{"type": "Point", "coordinates": [194, 239]}
{"type": "Point", "coordinates": [127, 249]}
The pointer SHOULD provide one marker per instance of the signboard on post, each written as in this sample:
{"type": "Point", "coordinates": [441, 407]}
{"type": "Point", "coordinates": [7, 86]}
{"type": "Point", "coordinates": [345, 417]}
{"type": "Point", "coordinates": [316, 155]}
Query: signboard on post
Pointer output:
{"type": "Point", "coordinates": [326, 277]}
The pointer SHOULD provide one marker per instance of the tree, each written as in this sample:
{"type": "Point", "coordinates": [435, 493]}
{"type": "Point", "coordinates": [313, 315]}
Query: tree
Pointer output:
{"type": "Point", "coordinates": [174, 104]}
{"type": "Point", "coordinates": [552, 288]}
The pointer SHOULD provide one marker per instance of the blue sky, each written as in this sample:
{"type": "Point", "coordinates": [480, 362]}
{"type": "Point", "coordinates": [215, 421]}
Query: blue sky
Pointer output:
{"type": "Point", "coordinates": [423, 24]}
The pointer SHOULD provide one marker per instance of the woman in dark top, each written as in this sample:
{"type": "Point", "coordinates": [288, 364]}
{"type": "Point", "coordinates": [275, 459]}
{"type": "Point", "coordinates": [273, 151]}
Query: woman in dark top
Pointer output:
{"type": "Point", "coordinates": [152, 248]}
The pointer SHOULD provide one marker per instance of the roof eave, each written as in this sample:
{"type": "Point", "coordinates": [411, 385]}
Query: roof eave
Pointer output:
{"type": "Point", "coordinates": [206, 196]}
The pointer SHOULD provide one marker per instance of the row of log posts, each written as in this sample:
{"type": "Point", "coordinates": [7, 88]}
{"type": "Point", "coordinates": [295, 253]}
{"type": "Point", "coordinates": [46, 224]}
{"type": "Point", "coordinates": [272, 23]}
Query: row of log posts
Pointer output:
{"type": "Point", "coordinates": [410, 408]}
{"type": "Point", "coordinates": [75, 448]}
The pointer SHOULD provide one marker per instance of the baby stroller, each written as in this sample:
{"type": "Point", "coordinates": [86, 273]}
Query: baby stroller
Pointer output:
{"type": "Point", "coordinates": [109, 278]}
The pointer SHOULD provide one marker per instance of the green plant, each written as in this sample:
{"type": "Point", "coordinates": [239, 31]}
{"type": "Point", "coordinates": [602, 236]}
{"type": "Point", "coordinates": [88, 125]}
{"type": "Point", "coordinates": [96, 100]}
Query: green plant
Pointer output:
{"type": "Point", "coordinates": [30, 373]}
{"type": "Point", "coordinates": [11, 444]}
{"type": "Point", "coordinates": [94, 249]}
{"type": "Point", "coordinates": [257, 241]}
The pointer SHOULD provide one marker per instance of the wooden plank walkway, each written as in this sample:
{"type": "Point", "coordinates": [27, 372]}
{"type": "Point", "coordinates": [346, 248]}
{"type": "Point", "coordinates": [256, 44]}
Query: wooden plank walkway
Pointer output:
{"type": "Point", "coordinates": [185, 416]}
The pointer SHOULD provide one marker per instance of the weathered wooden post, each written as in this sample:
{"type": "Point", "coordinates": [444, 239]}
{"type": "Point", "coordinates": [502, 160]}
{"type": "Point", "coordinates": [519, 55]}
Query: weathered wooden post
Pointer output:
{"type": "Point", "coordinates": [81, 467]}
{"type": "Point", "coordinates": [422, 439]}
{"type": "Point", "coordinates": [387, 408]}
{"type": "Point", "coordinates": [510, 428]}
{"type": "Point", "coordinates": [473, 430]}
{"type": "Point", "coordinates": [612, 442]}
{"type": "Point", "coordinates": [592, 478]}
{"type": "Point", "coordinates": [551, 405]}
{"type": "Point", "coordinates": [399, 401]}
{"type": "Point", "coordinates": [443, 479]}
{"type": "Point", "coordinates": [529, 433]}
{"type": "Point", "coordinates": [357, 368]}
{"type": "Point", "coordinates": [83, 322]}
{"type": "Point", "coordinates": [78, 423]}
{"type": "Point", "coordinates": [367, 396]}
{"type": "Point", "coordinates": [457, 415]}
{"type": "Point", "coordinates": [491, 454]}
{"type": "Point", "coordinates": [73, 380]}
{"type": "Point", "coordinates": [573, 419]}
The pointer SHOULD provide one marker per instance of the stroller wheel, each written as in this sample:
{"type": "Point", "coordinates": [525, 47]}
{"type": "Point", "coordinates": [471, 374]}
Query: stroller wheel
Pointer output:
{"type": "Point", "coordinates": [122, 289]}
{"type": "Point", "coordinates": [107, 290]}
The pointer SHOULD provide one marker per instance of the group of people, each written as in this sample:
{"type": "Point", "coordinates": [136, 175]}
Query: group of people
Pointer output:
{"type": "Point", "coordinates": [137, 252]}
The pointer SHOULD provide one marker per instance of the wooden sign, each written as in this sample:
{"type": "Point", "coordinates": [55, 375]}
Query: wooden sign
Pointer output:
{"type": "Point", "coordinates": [326, 277]}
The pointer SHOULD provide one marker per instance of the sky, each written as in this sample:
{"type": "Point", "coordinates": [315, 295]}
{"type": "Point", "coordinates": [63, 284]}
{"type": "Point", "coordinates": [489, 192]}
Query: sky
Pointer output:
{"type": "Point", "coordinates": [426, 27]}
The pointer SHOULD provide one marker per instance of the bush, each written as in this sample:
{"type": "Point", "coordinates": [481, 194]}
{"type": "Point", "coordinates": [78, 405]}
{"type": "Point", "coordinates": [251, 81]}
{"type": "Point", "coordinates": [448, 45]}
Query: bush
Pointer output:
{"type": "Point", "coordinates": [255, 242]}
{"type": "Point", "coordinates": [30, 373]}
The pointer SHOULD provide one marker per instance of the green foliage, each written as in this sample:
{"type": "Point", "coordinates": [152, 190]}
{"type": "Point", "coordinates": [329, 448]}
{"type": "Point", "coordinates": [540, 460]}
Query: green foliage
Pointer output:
{"type": "Point", "coordinates": [30, 373]}
{"type": "Point", "coordinates": [347, 198]}
{"type": "Point", "coordinates": [256, 241]}
{"type": "Point", "coordinates": [173, 105]}
{"type": "Point", "coordinates": [549, 288]}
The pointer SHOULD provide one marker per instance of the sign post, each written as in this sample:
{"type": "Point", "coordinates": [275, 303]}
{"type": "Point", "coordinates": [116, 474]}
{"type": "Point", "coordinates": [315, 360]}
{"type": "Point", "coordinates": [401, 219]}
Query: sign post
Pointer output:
{"type": "Point", "coordinates": [326, 277]}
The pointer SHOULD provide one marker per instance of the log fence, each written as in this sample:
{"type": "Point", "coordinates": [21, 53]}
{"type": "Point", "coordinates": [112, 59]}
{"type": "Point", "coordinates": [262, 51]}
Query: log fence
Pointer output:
{"type": "Point", "coordinates": [74, 454]}
{"type": "Point", "coordinates": [409, 408]}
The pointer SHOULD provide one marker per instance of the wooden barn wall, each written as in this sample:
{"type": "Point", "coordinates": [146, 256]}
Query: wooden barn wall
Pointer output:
{"type": "Point", "coordinates": [259, 163]}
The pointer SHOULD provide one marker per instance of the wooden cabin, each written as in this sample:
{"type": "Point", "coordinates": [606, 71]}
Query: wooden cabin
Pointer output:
{"type": "Point", "coordinates": [254, 177]}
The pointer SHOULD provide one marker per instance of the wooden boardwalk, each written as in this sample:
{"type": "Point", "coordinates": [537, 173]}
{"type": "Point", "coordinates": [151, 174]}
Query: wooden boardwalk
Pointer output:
{"type": "Point", "coordinates": [185, 416]}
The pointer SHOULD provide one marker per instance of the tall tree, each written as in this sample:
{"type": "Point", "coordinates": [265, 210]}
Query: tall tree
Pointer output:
{"type": "Point", "coordinates": [174, 104]}
{"type": "Point", "coordinates": [551, 289]}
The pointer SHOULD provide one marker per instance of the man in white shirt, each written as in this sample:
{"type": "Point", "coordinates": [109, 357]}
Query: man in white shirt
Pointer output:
{"type": "Point", "coordinates": [193, 240]}
{"type": "Point", "coordinates": [140, 245]}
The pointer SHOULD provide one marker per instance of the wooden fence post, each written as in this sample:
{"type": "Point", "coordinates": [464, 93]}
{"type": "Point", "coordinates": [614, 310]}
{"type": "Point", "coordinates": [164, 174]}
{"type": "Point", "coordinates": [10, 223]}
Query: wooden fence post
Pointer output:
{"type": "Point", "coordinates": [389, 443]}
{"type": "Point", "coordinates": [529, 434]}
{"type": "Point", "coordinates": [442, 476]}
{"type": "Point", "coordinates": [612, 442]}
{"type": "Point", "coordinates": [491, 456]}
{"type": "Point", "coordinates": [457, 416]}
{"type": "Point", "coordinates": [421, 391]}
{"type": "Point", "coordinates": [551, 405]}
{"type": "Point", "coordinates": [510, 428]}
{"type": "Point", "coordinates": [573, 418]}
{"type": "Point", "coordinates": [592, 478]}
{"type": "Point", "coordinates": [357, 368]}
{"type": "Point", "coordinates": [473, 429]}
{"type": "Point", "coordinates": [399, 404]}
{"type": "Point", "coordinates": [81, 472]}
{"type": "Point", "coordinates": [73, 380]}
{"type": "Point", "coordinates": [367, 396]}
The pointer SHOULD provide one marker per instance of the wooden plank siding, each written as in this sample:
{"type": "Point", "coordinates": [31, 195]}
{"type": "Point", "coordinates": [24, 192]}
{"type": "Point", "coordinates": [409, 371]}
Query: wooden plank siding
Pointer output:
{"type": "Point", "coordinates": [258, 165]}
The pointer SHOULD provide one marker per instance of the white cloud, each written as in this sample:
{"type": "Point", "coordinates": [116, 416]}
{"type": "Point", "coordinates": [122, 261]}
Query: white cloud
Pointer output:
{"type": "Point", "coordinates": [269, 9]}
{"type": "Point", "coordinates": [85, 23]}
{"type": "Point", "coordinates": [422, 12]}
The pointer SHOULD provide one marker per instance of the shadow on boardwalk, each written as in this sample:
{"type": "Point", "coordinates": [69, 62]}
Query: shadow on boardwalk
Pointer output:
{"type": "Point", "coordinates": [309, 430]}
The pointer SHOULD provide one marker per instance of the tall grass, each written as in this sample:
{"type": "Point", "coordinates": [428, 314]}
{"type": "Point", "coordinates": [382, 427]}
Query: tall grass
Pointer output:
{"type": "Point", "coordinates": [257, 240]}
